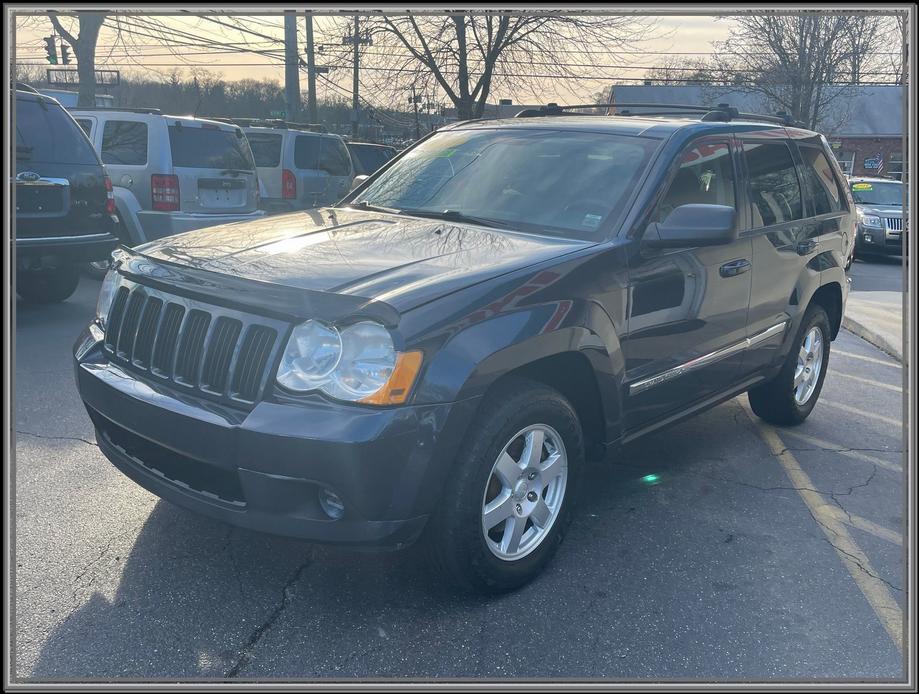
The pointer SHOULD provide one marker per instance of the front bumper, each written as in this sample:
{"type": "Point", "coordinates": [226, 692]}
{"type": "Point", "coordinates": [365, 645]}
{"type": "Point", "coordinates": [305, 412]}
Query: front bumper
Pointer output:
{"type": "Point", "coordinates": [871, 240]}
{"type": "Point", "coordinates": [156, 225]}
{"type": "Point", "coordinates": [264, 468]}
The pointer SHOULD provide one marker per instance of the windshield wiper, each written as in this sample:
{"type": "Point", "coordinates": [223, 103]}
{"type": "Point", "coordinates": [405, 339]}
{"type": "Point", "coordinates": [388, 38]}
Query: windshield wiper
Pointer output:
{"type": "Point", "coordinates": [364, 205]}
{"type": "Point", "coordinates": [236, 171]}
{"type": "Point", "coordinates": [457, 216]}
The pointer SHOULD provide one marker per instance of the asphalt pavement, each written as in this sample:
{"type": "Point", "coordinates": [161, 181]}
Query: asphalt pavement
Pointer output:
{"type": "Point", "coordinates": [718, 549]}
{"type": "Point", "coordinates": [875, 306]}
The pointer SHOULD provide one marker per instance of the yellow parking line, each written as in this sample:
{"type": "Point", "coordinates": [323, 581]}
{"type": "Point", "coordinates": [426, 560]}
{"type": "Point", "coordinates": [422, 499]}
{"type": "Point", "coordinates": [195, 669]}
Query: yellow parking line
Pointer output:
{"type": "Point", "coordinates": [867, 381]}
{"type": "Point", "coordinates": [861, 413]}
{"type": "Point", "coordinates": [863, 524]}
{"type": "Point", "coordinates": [832, 447]}
{"type": "Point", "coordinates": [852, 355]}
{"type": "Point", "coordinates": [866, 578]}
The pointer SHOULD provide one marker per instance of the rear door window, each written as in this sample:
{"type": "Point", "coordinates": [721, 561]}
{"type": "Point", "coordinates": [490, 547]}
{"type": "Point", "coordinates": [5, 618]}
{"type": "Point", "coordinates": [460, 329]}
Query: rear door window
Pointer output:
{"type": "Point", "coordinates": [209, 148]}
{"type": "Point", "coordinates": [774, 188]}
{"type": "Point", "coordinates": [266, 148]}
{"type": "Point", "coordinates": [705, 176]}
{"type": "Point", "coordinates": [124, 142]}
{"type": "Point", "coordinates": [822, 187]}
{"type": "Point", "coordinates": [46, 133]}
{"type": "Point", "coordinates": [306, 152]}
{"type": "Point", "coordinates": [370, 158]}
{"type": "Point", "coordinates": [334, 158]}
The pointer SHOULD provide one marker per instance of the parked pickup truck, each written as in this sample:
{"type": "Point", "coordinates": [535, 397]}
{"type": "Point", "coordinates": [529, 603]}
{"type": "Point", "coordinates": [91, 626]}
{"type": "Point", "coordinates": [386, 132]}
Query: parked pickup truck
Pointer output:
{"type": "Point", "coordinates": [435, 357]}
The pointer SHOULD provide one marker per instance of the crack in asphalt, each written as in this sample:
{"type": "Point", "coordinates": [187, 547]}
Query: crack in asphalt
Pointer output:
{"type": "Point", "coordinates": [245, 653]}
{"type": "Point", "coordinates": [57, 438]}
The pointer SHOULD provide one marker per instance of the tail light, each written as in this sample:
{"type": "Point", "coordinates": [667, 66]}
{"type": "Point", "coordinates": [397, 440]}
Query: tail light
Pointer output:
{"type": "Point", "coordinates": [109, 196]}
{"type": "Point", "coordinates": [288, 185]}
{"type": "Point", "coordinates": [165, 192]}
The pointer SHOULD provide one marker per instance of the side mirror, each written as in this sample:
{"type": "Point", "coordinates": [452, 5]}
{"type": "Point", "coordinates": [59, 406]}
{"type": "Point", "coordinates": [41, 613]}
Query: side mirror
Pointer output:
{"type": "Point", "coordinates": [693, 225]}
{"type": "Point", "coordinates": [358, 180]}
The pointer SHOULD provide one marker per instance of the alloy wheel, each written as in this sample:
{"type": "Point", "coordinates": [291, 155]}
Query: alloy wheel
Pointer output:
{"type": "Point", "coordinates": [810, 362]}
{"type": "Point", "coordinates": [524, 492]}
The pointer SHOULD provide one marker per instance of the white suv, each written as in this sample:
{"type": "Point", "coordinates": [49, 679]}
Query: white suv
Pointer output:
{"type": "Point", "coordinates": [172, 174]}
{"type": "Point", "coordinates": [299, 169]}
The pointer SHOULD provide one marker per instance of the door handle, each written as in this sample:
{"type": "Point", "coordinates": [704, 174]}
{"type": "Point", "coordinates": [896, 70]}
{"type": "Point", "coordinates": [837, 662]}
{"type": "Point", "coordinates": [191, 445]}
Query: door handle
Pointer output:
{"type": "Point", "coordinates": [735, 267]}
{"type": "Point", "coordinates": [807, 247]}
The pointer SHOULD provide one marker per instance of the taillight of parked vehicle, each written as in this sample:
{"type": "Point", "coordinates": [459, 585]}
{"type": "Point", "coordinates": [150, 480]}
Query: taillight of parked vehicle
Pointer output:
{"type": "Point", "coordinates": [109, 196]}
{"type": "Point", "coordinates": [288, 185]}
{"type": "Point", "coordinates": [165, 190]}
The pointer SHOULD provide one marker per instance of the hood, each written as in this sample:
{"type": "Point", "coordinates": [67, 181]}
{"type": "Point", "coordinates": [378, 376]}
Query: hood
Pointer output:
{"type": "Point", "coordinates": [880, 210]}
{"type": "Point", "coordinates": [402, 261]}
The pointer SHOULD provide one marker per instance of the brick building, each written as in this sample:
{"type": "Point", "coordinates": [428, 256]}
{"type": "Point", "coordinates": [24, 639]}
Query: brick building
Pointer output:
{"type": "Point", "coordinates": [864, 128]}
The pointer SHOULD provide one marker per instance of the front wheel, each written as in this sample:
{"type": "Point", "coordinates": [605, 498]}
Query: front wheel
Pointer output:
{"type": "Point", "coordinates": [789, 397]}
{"type": "Point", "coordinates": [510, 497]}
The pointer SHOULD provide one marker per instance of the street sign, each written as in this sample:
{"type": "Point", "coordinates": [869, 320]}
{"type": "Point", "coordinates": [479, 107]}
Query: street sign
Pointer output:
{"type": "Point", "coordinates": [278, 114]}
{"type": "Point", "coordinates": [872, 163]}
{"type": "Point", "coordinates": [68, 77]}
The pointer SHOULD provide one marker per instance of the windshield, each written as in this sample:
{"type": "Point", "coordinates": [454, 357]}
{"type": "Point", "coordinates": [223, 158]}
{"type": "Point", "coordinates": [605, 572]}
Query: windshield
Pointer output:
{"type": "Point", "coordinates": [543, 181]}
{"type": "Point", "coordinates": [209, 148]}
{"type": "Point", "coordinates": [882, 194]}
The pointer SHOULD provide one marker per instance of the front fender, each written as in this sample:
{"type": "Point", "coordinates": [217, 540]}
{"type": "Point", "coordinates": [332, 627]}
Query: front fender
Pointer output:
{"type": "Point", "coordinates": [476, 357]}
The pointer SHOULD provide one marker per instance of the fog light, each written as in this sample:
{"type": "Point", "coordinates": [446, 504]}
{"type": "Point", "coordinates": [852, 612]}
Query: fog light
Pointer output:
{"type": "Point", "coordinates": [867, 238]}
{"type": "Point", "coordinates": [331, 503]}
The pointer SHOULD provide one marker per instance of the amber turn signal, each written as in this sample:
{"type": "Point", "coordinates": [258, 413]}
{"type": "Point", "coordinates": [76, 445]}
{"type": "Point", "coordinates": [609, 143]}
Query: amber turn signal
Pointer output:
{"type": "Point", "coordinates": [399, 385]}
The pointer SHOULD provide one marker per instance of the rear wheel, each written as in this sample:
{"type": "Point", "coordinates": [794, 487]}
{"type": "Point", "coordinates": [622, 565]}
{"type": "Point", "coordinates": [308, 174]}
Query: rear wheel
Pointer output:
{"type": "Point", "coordinates": [47, 286]}
{"type": "Point", "coordinates": [789, 397]}
{"type": "Point", "coordinates": [506, 508]}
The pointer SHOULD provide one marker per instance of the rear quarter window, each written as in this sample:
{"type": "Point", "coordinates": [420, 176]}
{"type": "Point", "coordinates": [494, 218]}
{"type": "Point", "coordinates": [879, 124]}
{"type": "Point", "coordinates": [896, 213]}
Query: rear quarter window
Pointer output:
{"type": "Point", "coordinates": [124, 142]}
{"type": "Point", "coordinates": [46, 133]}
{"type": "Point", "coordinates": [199, 147]}
{"type": "Point", "coordinates": [822, 187]}
{"type": "Point", "coordinates": [266, 148]}
{"type": "Point", "coordinates": [334, 158]}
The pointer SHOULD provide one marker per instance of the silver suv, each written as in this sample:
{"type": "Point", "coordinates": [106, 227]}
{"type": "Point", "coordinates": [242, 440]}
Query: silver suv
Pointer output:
{"type": "Point", "coordinates": [172, 174]}
{"type": "Point", "coordinates": [298, 168]}
{"type": "Point", "coordinates": [881, 222]}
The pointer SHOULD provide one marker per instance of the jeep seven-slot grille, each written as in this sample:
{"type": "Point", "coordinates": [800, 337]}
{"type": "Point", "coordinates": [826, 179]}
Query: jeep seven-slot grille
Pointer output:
{"type": "Point", "coordinates": [201, 347]}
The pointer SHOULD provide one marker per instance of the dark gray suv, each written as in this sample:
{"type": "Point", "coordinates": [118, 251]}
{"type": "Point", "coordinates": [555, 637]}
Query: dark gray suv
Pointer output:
{"type": "Point", "coordinates": [436, 356]}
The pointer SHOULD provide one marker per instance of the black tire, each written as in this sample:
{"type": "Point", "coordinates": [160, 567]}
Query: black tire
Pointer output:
{"type": "Point", "coordinates": [49, 286]}
{"type": "Point", "coordinates": [775, 401]}
{"type": "Point", "coordinates": [98, 269]}
{"type": "Point", "coordinates": [455, 540]}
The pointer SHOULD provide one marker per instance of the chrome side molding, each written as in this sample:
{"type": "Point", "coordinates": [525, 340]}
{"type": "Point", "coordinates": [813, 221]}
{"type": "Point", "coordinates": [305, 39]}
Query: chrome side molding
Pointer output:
{"type": "Point", "coordinates": [706, 359]}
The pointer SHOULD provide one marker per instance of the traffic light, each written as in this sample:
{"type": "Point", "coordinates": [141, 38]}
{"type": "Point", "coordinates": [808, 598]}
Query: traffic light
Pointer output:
{"type": "Point", "coordinates": [51, 50]}
{"type": "Point", "coordinates": [65, 54]}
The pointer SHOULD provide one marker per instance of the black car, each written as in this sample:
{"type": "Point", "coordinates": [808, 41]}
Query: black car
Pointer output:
{"type": "Point", "coordinates": [436, 356]}
{"type": "Point", "coordinates": [368, 157]}
{"type": "Point", "coordinates": [65, 209]}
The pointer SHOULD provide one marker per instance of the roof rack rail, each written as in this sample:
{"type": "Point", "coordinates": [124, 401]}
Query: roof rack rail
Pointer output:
{"type": "Point", "coordinates": [722, 112]}
{"type": "Point", "coordinates": [133, 109]}
{"type": "Point", "coordinates": [279, 123]}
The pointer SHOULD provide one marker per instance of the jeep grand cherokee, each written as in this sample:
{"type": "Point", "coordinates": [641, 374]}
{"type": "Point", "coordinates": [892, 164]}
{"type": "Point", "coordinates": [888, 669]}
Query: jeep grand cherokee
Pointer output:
{"type": "Point", "coordinates": [436, 356]}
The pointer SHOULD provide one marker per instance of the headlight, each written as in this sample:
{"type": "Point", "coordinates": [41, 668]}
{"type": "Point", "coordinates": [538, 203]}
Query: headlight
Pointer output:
{"type": "Point", "coordinates": [107, 295]}
{"type": "Point", "coordinates": [870, 220]}
{"type": "Point", "coordinates": [357, 364]}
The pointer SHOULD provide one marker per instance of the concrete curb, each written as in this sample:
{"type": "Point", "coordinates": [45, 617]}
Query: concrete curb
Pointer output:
{"type": "Point", "coordinates": [882, 342]}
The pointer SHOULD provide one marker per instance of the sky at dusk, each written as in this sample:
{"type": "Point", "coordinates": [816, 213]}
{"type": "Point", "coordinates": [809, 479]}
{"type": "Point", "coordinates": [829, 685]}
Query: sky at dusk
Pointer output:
{"type": "Point", "coordinates": [141, 49]}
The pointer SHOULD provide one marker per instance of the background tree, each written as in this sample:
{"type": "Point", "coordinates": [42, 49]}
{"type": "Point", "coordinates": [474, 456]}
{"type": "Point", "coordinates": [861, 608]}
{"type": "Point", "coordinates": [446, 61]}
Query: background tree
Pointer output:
{"type": "Point", "coordinates": [677, 70]}
{"type": "Point", "coordinates": [89, 23]}
{"type": "Point", "coordinates": [800, 63]}
{"type": "Point", "coordinates": [468, 56]}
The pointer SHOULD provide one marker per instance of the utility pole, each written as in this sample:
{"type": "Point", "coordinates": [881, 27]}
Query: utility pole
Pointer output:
{"type": "Point", "coordinates": [291, 67]}
{"type": "Point", "coordinates": [415, 99]}
{"type": "Point", "coordinates": [311, 69]}
{"type": "Point", "coordinates": [355, 100]}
